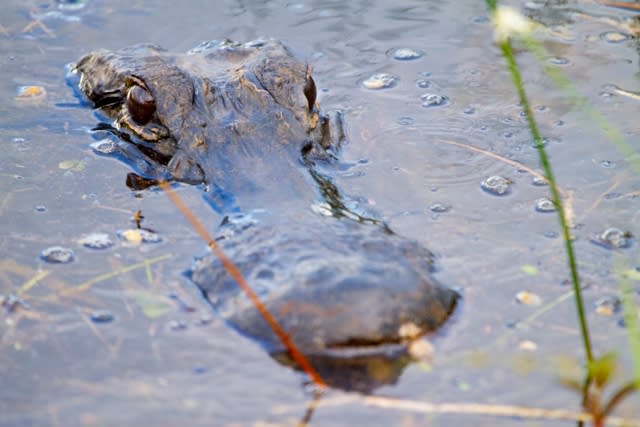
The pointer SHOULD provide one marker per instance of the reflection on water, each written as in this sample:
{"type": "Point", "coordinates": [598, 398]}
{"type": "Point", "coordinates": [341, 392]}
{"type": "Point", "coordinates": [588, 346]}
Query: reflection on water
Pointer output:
{"type": "Point", "coordinates": [62, 368]}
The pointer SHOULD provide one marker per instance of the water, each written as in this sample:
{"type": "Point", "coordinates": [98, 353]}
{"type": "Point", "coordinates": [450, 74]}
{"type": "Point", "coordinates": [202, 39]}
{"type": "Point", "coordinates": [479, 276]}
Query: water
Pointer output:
{"type": "Point", "coordinates": [157, 361]}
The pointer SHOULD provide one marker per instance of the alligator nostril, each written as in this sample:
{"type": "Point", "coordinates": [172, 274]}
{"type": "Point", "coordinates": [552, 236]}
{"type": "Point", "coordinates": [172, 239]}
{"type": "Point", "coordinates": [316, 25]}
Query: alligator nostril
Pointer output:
{"type": "Point", "coordinates": [140, 104]}
{"type": "Point", "coordinates": [310, 88]}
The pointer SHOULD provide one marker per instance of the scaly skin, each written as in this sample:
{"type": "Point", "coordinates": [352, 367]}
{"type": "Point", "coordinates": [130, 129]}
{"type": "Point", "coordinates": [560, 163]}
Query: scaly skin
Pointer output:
{"type": "Point", "coordinates": [242, 119]}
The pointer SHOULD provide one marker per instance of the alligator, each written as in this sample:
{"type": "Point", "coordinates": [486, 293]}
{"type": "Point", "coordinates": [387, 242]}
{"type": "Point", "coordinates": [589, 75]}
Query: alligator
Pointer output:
{"type": "Point", "coordinates": [242, 121]}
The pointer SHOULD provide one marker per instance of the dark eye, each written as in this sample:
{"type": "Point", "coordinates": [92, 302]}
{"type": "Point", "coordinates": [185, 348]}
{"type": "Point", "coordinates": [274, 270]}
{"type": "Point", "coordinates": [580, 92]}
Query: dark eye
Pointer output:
{"type": "Point", "coordinates": [310, 88]}
{"type": "Point", "coordinates": [140, 104]}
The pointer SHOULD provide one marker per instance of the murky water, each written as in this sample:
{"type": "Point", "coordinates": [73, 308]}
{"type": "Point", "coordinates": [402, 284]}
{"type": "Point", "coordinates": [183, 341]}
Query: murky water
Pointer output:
{"type": "Point", "coordinates": [119, 336]}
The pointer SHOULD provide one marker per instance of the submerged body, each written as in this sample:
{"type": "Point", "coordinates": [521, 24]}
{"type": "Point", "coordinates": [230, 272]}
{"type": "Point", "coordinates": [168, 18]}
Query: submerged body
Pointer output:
{"type": "Point", "coordinates": [242, 120]}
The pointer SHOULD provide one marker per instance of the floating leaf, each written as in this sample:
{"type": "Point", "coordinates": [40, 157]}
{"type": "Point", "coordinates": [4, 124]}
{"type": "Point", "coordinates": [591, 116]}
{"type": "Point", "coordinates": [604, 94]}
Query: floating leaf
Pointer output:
{"type": "Point", "coordinates": [529, 269]}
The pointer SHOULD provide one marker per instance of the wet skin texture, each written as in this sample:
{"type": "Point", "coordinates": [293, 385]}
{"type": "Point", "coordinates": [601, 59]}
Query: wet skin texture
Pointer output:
{"type": "Point", "coordinates": [242, 120]}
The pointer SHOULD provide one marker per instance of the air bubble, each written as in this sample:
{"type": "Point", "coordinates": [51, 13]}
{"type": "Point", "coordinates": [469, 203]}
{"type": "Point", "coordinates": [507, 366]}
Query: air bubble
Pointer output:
{"type": "Point", "coordinates": [433, 100]}
{"type": "Point", "coordinates": [380, 81]}
{"type": "Point", "coordinates": [497, 185]}
{"type": "Point", "coordinates": [57, 255]}
{"type": "Point", "coordinates": [545, 205]}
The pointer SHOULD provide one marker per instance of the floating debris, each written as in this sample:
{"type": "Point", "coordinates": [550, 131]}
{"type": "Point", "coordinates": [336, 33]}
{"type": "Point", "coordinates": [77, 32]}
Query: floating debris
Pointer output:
{"type": "Point", "coordinates": [614, 37]}
{"type": "Point", "coordinates": [40, 208]}
{"type": "Point", "coordinates": [528, 345]}
{"type": "Point", "coordinates": [380, 81]}
{"type": "Point", "coordinates": [433, 100]}
{"type": "Point", "coordinates": [57, 255]}
{"type": "Point", "coordinates": [96, 241]}
{"type": "Point", "coordinates": [102, 316]}
{"type": "Point", "coordinates": [528, 298]}
{"type": "Point", "coordinates": [11, 302]}
{"type": "Point", "coordinates": [139, 235]}
{"type": "Point", "coordinates": [545, 205]}
{"type": "Point", "coordinates": [31, 93]}
{"type": "Point", "coordinates": [607, 305]}
{"type": "Point", "coordinates": [405, 54]}
{"type": "Point", "coordinates": [613, 238]}
{"type": "Point", "coordinates": [497, 185]}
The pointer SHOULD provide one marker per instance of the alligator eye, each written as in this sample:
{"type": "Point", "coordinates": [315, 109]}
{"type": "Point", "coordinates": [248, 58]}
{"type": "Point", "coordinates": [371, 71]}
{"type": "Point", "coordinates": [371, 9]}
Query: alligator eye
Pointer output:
{"type": "Point", "coordinates": [140, 104]}
{"type": "Point", "coordinates": [310, 88]}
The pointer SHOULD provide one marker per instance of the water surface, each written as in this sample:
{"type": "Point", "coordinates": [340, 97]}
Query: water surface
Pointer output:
{"type": "Point", "coordinates": [166, 359]}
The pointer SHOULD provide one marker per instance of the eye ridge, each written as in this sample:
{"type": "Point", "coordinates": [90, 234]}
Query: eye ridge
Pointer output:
{"type": "Point", "coordinates": [140, 103]}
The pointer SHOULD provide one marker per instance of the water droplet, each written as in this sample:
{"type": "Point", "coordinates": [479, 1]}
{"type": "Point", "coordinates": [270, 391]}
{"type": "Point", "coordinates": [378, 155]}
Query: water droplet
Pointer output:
{"type": "Point", "coordinates": [96, 241]}
{"type": "Point", "coordinates": [541, 108]}
{"type": "Point", "coordinates": [507, 134]}
{"type": "Point", "coordinates": [614, 37]}
{"type": "Point", "coordinates": [551, 234]}
{"type": "Point", "coordinates": [613, 238]}
{"type": "Point", "coordinates": [380, 81]}
{"type": "Point", "coordinates": [18, 140]}
{"type": "Point", "coordinates": [608, 164]}
{"type": "Point", "coordinates": [539, 181]}
{"type": "Point", "coordinates": [496, 185]}
{"type": "Point", "coordinates": [559, 123]}
{"type": "Point", "coordinates": [405, 120]}
{"type": "Point", "coordinates": [40, 208]}
{"type": "Point", "coordinates": [439, 208]}
{"type": "Point", "coordinates": [557, 60]}
{"type": "Point", "coordinates": [57, 255]}
{"type": "Point", "coordinates": [433, 100]}
{"type": "Point", "coordinates": [469, 110]}
{"type": "Point", "coordinates": [545, 205]}
{"type": "Point", "coordinates": [405, 54]}
{"type": "Point", "coordinates": [101, 316]}
{"type": "Point", "coordinates": [424, 84]}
